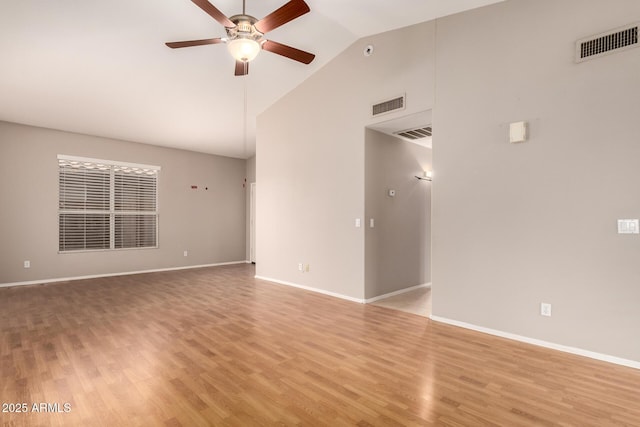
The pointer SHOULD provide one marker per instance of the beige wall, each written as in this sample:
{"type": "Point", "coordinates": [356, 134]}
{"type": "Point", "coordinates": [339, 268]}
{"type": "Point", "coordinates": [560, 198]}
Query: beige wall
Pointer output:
{"type": "Point", "coordinates": [398, 247]}
{"type": "Point", "coordinates": [513, 225]}
{"type": "Point", "coordinates": [310, 159]}
{"type": "Point", "coordinates": [209, 224]}
{"type": "Point", "coordinates": [517, 225]}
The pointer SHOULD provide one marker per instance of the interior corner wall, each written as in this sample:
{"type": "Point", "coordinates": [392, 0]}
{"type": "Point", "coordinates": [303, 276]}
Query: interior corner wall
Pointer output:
{"type": "Point", "coordinates": [250, 177]}
{"type": "Point", "coordinates": [310, 159]}
{"type": "Point", "coordinates": [208, 222]}
{"type": "Point", "coordinates": [398, 246]}
{"type": "Point", "coordinates": [515, 225]}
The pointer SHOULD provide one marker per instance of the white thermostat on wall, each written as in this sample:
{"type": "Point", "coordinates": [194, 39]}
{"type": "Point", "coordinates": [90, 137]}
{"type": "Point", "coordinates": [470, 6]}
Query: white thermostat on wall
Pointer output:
{"type": "Point", "coordinates": [518, 132]}
{"type": "Point", "coordinates": [628, 226]}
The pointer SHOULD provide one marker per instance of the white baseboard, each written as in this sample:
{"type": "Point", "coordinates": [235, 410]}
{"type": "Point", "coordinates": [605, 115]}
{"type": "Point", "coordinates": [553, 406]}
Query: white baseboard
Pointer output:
{"type": "Point", "coordinates": [398, 292]}
{"type": "Point", "coordinates": [308, 288]}
{"type": "Point", "coordinates": [540, 343]}
{"type": "Point", "coordinates": [124, 273]}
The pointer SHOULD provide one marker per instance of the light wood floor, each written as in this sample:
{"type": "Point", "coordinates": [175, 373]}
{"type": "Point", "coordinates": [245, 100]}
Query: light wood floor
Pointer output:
{"type": "Point", "coordinates": [417, 301]}
{"type": "Point", "coordinates": [216, 347]}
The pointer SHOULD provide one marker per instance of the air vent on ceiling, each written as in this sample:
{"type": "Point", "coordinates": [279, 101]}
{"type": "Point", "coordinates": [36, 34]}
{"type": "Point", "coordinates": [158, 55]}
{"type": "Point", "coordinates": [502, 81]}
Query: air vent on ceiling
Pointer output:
{"type": "Point", "coordinates": [612, 41]}
{"type": "Point", "coordinates": [416, 133]}
{"type": "Point", "coordinates": [388, 106]}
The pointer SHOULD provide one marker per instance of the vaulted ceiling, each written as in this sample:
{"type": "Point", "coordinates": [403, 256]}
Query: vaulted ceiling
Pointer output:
{"type": "Point", "coordinates": [102, 68]}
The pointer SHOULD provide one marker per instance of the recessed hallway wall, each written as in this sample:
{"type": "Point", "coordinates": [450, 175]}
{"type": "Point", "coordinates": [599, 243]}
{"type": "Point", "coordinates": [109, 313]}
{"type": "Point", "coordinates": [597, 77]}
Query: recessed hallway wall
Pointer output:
{"type": "Point", "coordinates": [398, 247]}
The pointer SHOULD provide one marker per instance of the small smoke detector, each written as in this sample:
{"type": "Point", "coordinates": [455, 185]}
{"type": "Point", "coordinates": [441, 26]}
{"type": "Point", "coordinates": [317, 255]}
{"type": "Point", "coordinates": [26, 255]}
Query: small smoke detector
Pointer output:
{"type": "Point", "coordinates": [613, 41]}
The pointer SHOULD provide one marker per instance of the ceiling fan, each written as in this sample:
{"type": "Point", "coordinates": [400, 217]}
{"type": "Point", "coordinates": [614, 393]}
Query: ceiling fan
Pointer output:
{"type": "Point", "coordinates": [245, 34]}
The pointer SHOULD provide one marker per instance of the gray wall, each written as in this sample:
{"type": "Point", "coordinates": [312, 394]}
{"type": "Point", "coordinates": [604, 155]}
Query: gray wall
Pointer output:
{"type": "Point", "coordinates": [398, 247]}
{"type": "Point", "coordinates": [310, 151]}
{"type": "Point", "coordinates": [209, 224]}
{"type": "Point", "coordinates": [516, 225]}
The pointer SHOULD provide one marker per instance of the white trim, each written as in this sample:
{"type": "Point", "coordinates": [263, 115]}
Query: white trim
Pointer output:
{"type": "Point", "coordinates": [398, 292]}
{"type": "Point", "coordinates": [308, 288]}
{"type": "Point", "coordinates": [124, 273]}
{"type": "Point", "coordinates": [541, 343]}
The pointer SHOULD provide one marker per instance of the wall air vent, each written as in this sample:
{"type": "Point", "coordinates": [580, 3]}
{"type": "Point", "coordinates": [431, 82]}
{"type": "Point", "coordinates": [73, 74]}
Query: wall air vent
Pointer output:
{"type": "Point", "coordinates": [612, 41]}
{"type": "Point", "coordinates": [416, 133]}
{"type": "Point", "coordinates": [383, 107]}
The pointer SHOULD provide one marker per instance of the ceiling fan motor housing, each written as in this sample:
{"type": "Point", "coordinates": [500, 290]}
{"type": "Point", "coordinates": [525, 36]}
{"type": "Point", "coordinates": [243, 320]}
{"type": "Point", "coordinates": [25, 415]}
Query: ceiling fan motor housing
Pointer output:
{"type": "Point", "coordinates": [244, 28]}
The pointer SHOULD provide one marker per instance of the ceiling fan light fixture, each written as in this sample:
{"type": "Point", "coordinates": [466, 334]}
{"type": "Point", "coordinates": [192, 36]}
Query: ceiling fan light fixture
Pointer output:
{"type": "Point", "coordinates": [244, 49]}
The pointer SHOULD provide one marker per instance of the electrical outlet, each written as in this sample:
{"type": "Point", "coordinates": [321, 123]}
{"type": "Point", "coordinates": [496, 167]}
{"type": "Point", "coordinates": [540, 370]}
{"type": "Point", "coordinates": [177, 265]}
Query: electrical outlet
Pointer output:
{"type": "Point", "coordinates": [186, 253]}
{"type": "Point", "coordinates": [545, 309]}
{"type": "Point", "coordinates": [300, 266]}
{"type": "Point", "coordinates": [27, 264]}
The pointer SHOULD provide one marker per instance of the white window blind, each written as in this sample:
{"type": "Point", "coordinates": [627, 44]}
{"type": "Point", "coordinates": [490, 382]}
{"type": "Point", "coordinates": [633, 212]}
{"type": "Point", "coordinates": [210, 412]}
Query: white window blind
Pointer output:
{"type": "Point", "coordinates": [106, 205]}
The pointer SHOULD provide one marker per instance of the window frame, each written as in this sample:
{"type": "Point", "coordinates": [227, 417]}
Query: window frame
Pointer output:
{"type": "Point", "coordinates": [112, 212]}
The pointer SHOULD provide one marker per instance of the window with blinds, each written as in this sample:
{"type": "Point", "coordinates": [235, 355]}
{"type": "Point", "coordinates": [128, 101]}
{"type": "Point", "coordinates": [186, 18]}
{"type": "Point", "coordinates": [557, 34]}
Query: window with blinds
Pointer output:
{"type": "Point", "coordinates": [106, 205]}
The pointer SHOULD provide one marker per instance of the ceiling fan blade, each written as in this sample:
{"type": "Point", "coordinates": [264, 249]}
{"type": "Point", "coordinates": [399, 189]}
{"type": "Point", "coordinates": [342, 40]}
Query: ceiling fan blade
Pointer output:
{"type": "Point", "coordinates": [214, 12]}
{"type": "Point", "coordinates": [288, 51]}
{"type": "Point", "coordinates": [281, 16]}
{"type": "Point", "coordinates": [242, 68]}
{"type": "Point", "coordinates": [188, 43]}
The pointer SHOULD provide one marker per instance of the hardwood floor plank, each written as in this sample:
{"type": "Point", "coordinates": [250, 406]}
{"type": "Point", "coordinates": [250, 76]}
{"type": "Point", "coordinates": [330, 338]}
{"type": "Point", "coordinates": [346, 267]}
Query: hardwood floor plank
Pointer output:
{"type": "Point", "coordinates": [214, 346]}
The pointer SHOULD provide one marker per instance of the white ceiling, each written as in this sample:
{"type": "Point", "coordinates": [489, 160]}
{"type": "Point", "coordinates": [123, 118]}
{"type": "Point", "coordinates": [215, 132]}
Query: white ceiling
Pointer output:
{"type": "Point", "coordinates": [101, 67]}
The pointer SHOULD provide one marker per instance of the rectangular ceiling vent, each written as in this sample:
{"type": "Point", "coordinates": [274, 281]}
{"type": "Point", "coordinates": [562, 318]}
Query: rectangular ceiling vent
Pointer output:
{"type": "Point", "coordinates": [384, 107]}
{"type": "Point", "coordinates": [416, 133]}
{"type": "Point", "coordinates": [612, 41]}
